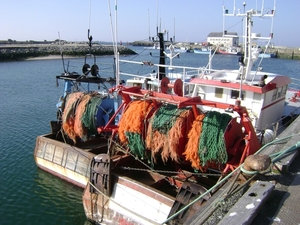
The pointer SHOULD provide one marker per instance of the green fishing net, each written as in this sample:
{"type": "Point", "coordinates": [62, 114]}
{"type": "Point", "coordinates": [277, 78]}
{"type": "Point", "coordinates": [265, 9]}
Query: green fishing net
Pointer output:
{"type": "Point", "coordinates": [212, 145]}
{"type": "Point", "coordinates": [88, 117]}
{"type": "Point", "coordinates": [165, 117]}
{"type": "Point", "coordinates": [136, 144]}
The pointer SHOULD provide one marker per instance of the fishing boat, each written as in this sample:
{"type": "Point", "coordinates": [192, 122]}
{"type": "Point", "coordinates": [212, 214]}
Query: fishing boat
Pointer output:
{"type": "Point", "coordinates": [267, 55]}
{"type": "Point", "coordinates": [232, 50]}
{"type": "Point", "coordinates": [67, 151]}
{"type": "Point", "coordinates": [182, 49]}
{"type": "Point", "coordinates": [148, 173]}
{"type": "Point", "coordinates": [179, 134]}
{"type": "Point", "coordinates": [154, 47]}
{"type": "Point", "coordinates": [203, 50]}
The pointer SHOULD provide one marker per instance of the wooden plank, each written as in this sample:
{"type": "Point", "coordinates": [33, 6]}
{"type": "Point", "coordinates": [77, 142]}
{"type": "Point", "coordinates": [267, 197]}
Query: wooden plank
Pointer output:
{"type": "Point", "coordinates": [245, 210]}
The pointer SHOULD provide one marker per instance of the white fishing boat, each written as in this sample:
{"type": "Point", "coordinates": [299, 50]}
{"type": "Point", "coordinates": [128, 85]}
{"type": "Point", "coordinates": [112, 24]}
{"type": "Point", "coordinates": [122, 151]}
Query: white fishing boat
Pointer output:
{"type": "Point", "coordinates": [178, 131]}
{"type": "Point", "coordinates": [154, 47]}
{"type": "Point", "coordinates": [232, 50]}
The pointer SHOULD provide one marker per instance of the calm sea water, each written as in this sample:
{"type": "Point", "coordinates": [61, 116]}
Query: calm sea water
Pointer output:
{"type": "Point", "coordinates": [28, 95]}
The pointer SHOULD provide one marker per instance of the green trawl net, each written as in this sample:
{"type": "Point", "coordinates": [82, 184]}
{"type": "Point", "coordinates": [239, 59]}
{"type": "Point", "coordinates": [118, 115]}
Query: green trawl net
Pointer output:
{"type": "Point", "coordinates": [136, 144]}
{"type": "Point", "coordinates": [88, 118]}
{"type": "Point", "coordinates": [212, 145]}
{"type": "Point", "coordinates": [165, 117]}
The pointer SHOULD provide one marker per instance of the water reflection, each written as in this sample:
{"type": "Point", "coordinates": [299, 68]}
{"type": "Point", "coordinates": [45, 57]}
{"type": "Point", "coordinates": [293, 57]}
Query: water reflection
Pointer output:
{"type": "Point", "coordinates": [59, 201]}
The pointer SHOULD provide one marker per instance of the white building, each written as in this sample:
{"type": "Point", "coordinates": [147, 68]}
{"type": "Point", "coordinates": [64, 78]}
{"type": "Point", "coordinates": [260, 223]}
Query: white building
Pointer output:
{"type": "Point", "coordinates": [217, 38]}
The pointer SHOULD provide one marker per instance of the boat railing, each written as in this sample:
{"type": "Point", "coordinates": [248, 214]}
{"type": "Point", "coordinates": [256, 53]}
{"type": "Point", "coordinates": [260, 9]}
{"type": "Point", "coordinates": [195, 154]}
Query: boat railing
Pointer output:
{"type": "Point", "coordinates": [105, 69]}
{"type": "Point", "coordinates": [184, 73]}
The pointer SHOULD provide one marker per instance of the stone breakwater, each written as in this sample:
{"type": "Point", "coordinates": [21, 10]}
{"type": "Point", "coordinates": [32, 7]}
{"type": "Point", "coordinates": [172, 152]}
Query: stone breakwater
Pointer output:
{"type": "Point", "coordinates": [22, 52]}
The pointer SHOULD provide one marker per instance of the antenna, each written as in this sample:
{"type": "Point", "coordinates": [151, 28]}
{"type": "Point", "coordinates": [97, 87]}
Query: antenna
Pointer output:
{"type": "Point", "coordinates": [157, 17]}
{"type": "Point", "coordinates": [61, 53]}
{"type": "Point", "coordinates": [149, 25]}
{"type": "Point", "coordinates": [174, 31]}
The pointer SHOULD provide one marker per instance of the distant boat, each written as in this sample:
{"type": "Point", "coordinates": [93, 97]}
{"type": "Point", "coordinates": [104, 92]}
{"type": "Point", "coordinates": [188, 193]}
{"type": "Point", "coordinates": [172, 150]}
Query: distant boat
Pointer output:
{"type": "Point", "coordinates": [155, 46]}
{"type": "Point", "coordinates": [267, 55]}
{"type": "Point", "coordinates": [230, 51]}
{"type": "Point", "coordinates": [203, 50]}
{"type": "Point", "coordinates": [181, 49]}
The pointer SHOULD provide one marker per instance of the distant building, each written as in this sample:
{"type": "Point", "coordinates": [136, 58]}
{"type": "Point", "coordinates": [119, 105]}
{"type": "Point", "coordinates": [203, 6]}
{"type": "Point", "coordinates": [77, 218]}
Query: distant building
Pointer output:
{"type": "Point", "coordinates": [229, 39]}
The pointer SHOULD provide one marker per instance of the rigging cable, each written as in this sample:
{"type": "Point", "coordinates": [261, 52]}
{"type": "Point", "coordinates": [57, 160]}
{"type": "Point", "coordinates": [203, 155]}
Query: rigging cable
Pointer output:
{"type": "Point", "coordinates": [114, 38]}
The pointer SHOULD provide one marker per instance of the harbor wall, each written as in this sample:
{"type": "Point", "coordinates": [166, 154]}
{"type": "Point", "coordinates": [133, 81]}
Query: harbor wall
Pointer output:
{"type": "Point", "coordinates": [15, 52]}
{"type": "Point", "coordinates": [286, 53]}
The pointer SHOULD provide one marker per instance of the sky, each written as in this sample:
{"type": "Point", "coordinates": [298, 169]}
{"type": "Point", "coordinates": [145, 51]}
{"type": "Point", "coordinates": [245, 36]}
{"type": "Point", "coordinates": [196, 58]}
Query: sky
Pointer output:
{"type": "Point", "coordinates": [135, 20]}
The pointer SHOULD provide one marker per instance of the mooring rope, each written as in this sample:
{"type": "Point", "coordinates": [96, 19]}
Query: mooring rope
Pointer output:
{"type": "Point", "coordinates": [228, 176]}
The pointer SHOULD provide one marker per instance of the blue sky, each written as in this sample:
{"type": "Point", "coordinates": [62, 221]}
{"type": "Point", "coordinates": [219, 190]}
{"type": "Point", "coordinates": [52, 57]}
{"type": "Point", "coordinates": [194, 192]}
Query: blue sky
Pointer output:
{"type": "Point", "coordinates": [194, 19]}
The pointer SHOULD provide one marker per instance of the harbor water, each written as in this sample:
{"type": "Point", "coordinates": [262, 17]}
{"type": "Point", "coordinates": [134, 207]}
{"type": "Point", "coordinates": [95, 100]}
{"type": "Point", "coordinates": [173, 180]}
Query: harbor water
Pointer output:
{"type": "Point", "coordinates": [28, 95]}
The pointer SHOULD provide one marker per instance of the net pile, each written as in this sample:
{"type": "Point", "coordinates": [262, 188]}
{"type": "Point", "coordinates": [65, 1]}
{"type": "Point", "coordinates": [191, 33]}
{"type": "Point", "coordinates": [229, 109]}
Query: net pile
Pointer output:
{"type": "Point", "coordinates": [212, 145]}
{"type": "Point", "coordinates": [191, 152]}
{"type": "Point", "coordinates": [206, 145]}
{"type": "Point", "coordinates": [167, 127]}
{"type": "Point", "coordinates": [78, 115]}
{"type": "Point", "coordinates": [133, 124]}
{"type": "Point", "coordinates": [171, 133]}
{"type": "Point", "coordinates": [68, 116]}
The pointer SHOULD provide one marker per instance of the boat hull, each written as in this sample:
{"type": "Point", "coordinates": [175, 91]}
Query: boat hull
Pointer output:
{"type": "Point", "coordinates": [65, 161]}
{"type": "Point", "coordinates": [204, 52]}
{"type": "Point", "coordinates": [143, 205]}
{"type": "Point", "coordinates": [229, 53]}
{"type": "Point", "coordinates": [267, 55]}
{"type": "Point", "coordinates": [117, 196]}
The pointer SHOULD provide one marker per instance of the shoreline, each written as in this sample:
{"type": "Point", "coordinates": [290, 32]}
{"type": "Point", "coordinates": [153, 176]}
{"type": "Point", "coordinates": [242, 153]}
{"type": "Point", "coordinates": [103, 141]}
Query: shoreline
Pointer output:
{"type": "Point", "coordinates": [14, 53]}
{"type": "Point", "coordinates": [49, 57]}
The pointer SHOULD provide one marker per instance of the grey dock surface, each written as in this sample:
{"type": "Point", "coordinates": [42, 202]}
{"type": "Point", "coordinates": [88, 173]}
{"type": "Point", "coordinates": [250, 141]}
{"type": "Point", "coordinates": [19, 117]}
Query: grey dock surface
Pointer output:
{"type": "Point", "coordinates": [283, 206]}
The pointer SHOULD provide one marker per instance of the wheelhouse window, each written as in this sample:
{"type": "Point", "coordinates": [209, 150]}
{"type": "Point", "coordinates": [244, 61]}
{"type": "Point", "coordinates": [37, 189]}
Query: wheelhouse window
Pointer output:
{"type": "Point", "coordinates": [284, 89]}
{"type": "Point", "coordinates": [236, 94]}
{"type": "Point", "coordinates": [279, 94]}
{"type": "Point", "coordinates": [274, 94]}
{"type": "Point", "coordinates": [189, 89]}
{"type": "Point", "coordinates": [219, 92]}
{"type": "Point", "coordinates": [257, 96]}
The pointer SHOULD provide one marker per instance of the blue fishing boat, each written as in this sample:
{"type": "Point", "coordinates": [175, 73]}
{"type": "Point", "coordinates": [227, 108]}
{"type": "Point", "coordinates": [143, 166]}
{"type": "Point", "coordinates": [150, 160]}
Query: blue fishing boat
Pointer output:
{"type": "Point", "coordinates": [203, 50]}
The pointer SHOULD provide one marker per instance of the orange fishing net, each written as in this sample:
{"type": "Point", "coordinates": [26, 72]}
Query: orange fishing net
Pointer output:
{"type": "Point", "coordinates": [134, 118]}
{"type": "Point", "coordinates": [191, 152]}
{"type": "Point", "coordinates": [79, 128]}
{"type": "Point", "coordinates": [169, 145]}
{"type": "Point", "coordinates": [68, 116]}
